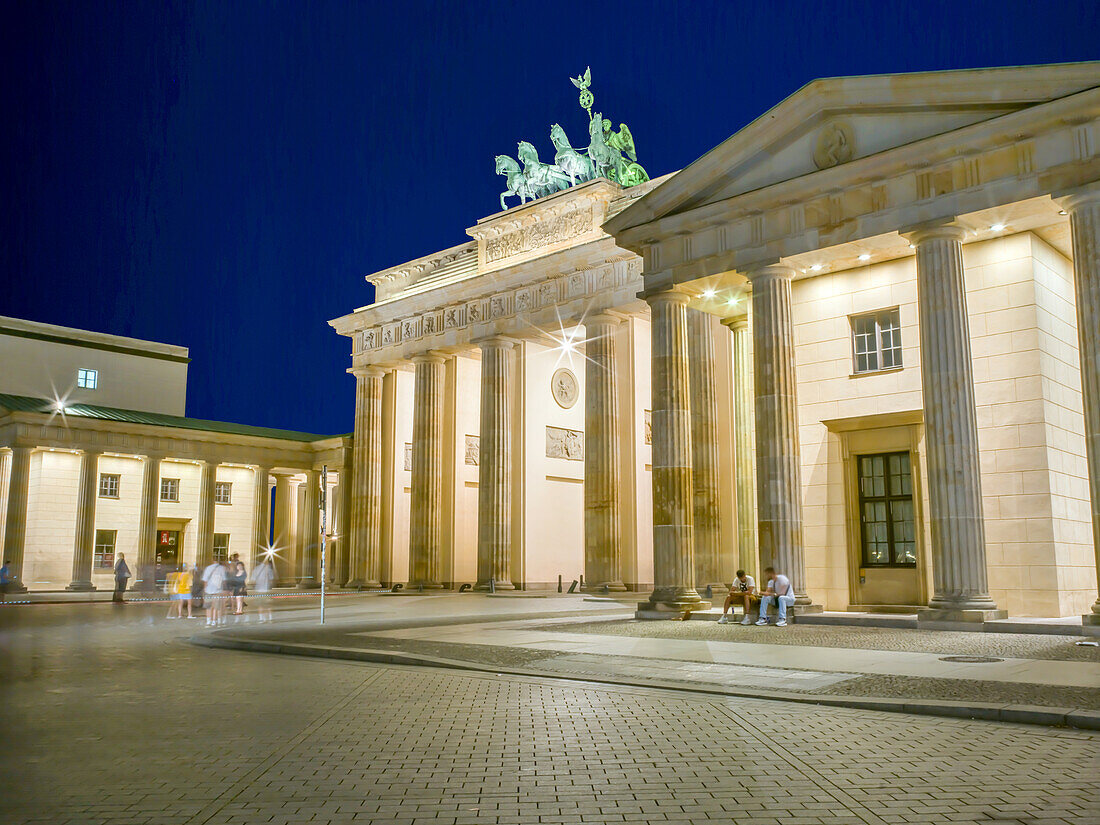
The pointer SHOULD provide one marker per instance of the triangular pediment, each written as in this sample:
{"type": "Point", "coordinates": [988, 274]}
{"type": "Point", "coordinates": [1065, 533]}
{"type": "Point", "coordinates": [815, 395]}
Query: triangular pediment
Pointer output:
{"type": "Point", "coordinates": [835, 121]}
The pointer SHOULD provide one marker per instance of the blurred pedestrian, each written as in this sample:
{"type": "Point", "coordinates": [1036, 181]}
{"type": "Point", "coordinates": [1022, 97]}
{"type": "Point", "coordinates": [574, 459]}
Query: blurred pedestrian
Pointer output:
{"type": "Point", "coordinates": [262, 583]}
{"type": "Point", "coordinates": [195, 598]}
{"type": "Point", "coordinates": [236, 584]}
{"type": "Point", "coordinates": [178, 587]}
{"type": "Point", "coordinates": [213, 580]}
{"type": "Point", "coordinates": [122, 575]}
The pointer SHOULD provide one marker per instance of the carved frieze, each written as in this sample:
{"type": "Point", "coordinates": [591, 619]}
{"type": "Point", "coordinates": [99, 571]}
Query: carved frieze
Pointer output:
{"type": "Point", "coordinates": [408, 457]}
{"type": "Point", "coordinates": [537, 235]}
{"type": "Point", "coordinates": [473, 449]}
{"type": "Point", "coordinates": [648, 426]}
{"type": "Point", "coordinates": [836, 144]}
{"type": "Point", "coordinates": [564, 443]}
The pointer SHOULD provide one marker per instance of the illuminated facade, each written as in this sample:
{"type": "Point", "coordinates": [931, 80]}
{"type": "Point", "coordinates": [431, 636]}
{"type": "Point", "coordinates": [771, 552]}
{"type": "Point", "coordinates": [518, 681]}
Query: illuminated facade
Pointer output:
{"type": "Point", "coordinates": [844, 342]}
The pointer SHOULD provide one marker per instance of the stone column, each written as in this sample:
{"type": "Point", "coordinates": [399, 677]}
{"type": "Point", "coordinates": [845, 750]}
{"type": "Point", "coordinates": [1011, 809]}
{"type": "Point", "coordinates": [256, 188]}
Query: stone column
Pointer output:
{"type": "Point", "coordinates": [15, 529]}
{"type": "Point", "coordinates": [704, 452]}
{"type": "Point", "coordinates": [309, 534]}
{"type": "Point", "coordinates": [603, 539]}
{"type": "Point", "coordinates": [208, 474]}
{"type": "Point", "coordinates": [341, 573]}
{"type": "Point", "coordinates": [778, 458]}
{"type": "Point", "coordinates": [494, 493]}
{"type": "Point", "coordinates": [743, 462]}
{"type": "Point", "coordinates": [1084, 222]}
{"type": "Point", "coordinates": [365, 484]}
{"type": "Point", "coordinates": [84, 544]}
{"type": "Point", "coordinates": [261, 521]}
{"type": "Point", "coordinates": [425, 528]}
{"type": "Point", "coordinates": [673, 537]}
{"type": "Point", "coordinates": [144, 574]}
{"type": "Point", "coordinates": [951, 427]}
{"type": "Point", "coordinates": [284, 501]}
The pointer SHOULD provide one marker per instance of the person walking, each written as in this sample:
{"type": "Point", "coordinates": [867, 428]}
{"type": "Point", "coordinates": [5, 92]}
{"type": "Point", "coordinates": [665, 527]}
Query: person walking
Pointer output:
{"type": "Point", "coordinates": [195, 598]}
{"type": "Point", "coordinates": [122, 575]}
{"type": "Point", "coordinates": [213, 579]}
{"type": "Point", "coordinates": [178, 588]}
{"type": "Point", "coordinates": [237, 580]}
{"type": "Point", "coordinates": [262, 584]}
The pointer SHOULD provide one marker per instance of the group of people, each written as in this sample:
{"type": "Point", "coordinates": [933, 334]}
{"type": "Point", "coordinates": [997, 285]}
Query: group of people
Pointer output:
{"type": "Point", "coordinates": [219, 588]}
{"type": "Point", "coordinates": [777, 591]}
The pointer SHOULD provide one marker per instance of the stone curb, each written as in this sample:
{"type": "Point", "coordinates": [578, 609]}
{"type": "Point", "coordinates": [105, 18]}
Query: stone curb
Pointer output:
{"type": "Point", "coordinates": [1022, 714]}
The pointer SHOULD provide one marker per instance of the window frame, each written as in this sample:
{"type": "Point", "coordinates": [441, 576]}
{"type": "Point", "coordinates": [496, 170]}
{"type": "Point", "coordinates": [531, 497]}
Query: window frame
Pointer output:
{"type": "Point", "coordinates": [82, 376]}
{"type": "Point", "coordinates": [175, 489]}
{"type": "Point", "coordinates": [877, 316]}
{"type": "Point", "coordinates": [98, 555]}
{"type": "Point", "coordinates": [888, 499]}
{"type": "Point", "coordinates": [116, 482]}
{"type": "Point", "coordinates": [228, 487]}
{"type": "Point", "coordinates": [214, 547]}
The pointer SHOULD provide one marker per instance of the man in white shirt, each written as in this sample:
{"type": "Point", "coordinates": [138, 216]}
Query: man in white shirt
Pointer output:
{"type": "Point", "coordinates": [742, 590]}
{"type": "Point", "coordinates": [213, 578]}
{"type": "Point", "coordinates": [779, 591]}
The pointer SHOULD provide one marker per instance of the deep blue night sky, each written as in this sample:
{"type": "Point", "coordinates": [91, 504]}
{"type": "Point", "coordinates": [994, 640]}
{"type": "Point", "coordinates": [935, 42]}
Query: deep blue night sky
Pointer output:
{"type": "Point", "coordinates": [222, 175]}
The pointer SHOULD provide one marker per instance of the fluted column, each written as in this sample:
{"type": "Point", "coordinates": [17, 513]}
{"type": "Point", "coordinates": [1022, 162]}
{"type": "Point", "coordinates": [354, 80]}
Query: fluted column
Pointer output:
{"type": "Point", "coordinates": [1084, 222]}
{"type": "Point", "coordinates": [494, 493]}
{"type": "Point", "coordinates": [84, 539]}
{"type": "Point", "coordinates": [341, 572]}
{"type": "Point", "coordinates": [673, 537]}
{"type": "Point", "coordinates": [208, 474]}
{"type": "Point", "coordinates": [261, 521]}
{"type": "Point", "coordinates": [144, 575]}
{"type": "Point", "coordinates": [778, 458]}
{"type": "Point", "coordinates": [951, 426]}
{"type": "Point", "coordinates": [15, 528]}
{"type": "Point", "coordinates": [425, 528]}
{"type": "Point", "coordinates": [309, 533]}
{"type": "Point", "coordinates": [365, 486]}
{"type": "Point", "coordinates": [743, 462]}
{"type": "Point", "coordinates": [284, 501]}
{"type": "Point", "coordinates": [704, 451]}
{"type": "Point", "coordinates": [603, 542]}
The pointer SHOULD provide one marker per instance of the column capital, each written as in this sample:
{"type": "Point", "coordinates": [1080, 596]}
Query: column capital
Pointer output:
{"type": "Point", "coordinates": [943, 229]}
{"type": "Point", "coordinates": [1072, 199]}
{"type": "Point", "coordinates": [495, 342]}
{"type": "Point", "coordinates": [429, 358]}
{"type": "Point", "coordinates": [671, 295]}
{"type": "Point", "coordinates": [736, 322]}
{"type": "Point", "coordinates": [604, 319]}
{"type": "Point", "coordinates": [769, 271]}
{"type": "Point", "coordinates": [368, 371]}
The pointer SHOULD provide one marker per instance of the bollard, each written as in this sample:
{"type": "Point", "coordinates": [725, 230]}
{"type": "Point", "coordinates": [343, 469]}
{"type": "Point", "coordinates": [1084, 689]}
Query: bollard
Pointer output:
{"type": "Point", "coordinates": [605, 589]}
{"type": "Point", "coordinates": [492, 585]}
{"type": "Point", "coordinates": [710, 592]}
{"type": "Point", "coordinates": [582, 581]}
{"type": "Point", "coordinates": [559, 582]}
{"type": "Point", "coordinates": [420, 589]}
{"type": "Point", "coordinates": [573, 586]}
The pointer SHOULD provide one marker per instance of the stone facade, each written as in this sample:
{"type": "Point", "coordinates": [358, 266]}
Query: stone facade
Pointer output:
{"type": "Point", "coordinates": [955, 211]}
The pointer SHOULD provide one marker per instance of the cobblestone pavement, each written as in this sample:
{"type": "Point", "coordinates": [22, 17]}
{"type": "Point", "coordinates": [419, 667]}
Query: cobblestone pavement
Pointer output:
{"type": "Point", "coordinates": [108, 717]}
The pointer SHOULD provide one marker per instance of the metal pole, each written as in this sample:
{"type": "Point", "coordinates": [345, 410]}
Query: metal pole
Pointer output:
{"type": "Point", "coordinates": [321, 498]}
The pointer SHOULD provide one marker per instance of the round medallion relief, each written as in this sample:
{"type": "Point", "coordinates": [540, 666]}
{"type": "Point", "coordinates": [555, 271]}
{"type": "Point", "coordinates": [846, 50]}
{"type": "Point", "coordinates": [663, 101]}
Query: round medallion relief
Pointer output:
{"type": "Point", "coordinates": [564, 386]}
{"type": "Point", "coordinates": [836, 144]}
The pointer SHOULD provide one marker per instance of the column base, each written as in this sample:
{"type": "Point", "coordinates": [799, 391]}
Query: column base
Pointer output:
{"type": "Point", "coordinates": [935, 615]}
{"type": "Point", "coordinates": [609, 587]}
{"type": "Point", "coordinates": [1091, 620]}
{"type": "Point", "coordinates": [16, 587]}
{"type": "Point", "coordinates": [81, 587]}
{"type": "Point", "coordinates": [365, 584]}
{"type": "Point", "coordinates": [307, 585]}
{"type": "Point", "coordinates": [424, 585]}
{"type": "Point", "coordinates": [501, 585]}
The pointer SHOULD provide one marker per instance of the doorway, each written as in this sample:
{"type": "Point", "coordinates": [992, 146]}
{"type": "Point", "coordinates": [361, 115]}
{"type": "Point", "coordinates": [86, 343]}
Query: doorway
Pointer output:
{"type": "Point", "coordinates": [887, 528]}
{"type": "Point", "coordinates": [168, 554]}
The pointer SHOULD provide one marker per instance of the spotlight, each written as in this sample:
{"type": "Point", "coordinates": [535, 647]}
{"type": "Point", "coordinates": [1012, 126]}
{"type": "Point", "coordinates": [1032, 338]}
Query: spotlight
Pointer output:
{"type": "Point", "coordinates": [732, 302]}
{"type": "Point", "coordinates": [997, 227]}
{"type": "Point", "coordinates": [865, 257]}
{"type": "Point", "coordinates": [817, 267]}
{"type": "Point", "coordinates": [708, 293]}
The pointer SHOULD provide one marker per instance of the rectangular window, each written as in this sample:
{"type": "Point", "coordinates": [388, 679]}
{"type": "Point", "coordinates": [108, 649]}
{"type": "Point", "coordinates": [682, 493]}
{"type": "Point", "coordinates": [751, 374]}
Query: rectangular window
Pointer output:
{"type": "Point", "coordinates": [87, 379]}
{"type": "Point", "coordinates": [876, 341]}
{"type": "Point", "coordinates": [169, 489]}
{"type": "Point", "coordinates": [222, 492]}
{"type": "Point", "coordinates": [221, 547]}
{"type": "Point", "coordinates": [886, 510]}
{"type": "Point", "coordinates": [108, 485]}
{"type": "Point", "coordinates": [103, 558]}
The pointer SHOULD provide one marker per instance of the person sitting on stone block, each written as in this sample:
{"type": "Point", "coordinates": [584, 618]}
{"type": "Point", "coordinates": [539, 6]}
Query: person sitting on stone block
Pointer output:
{"type": "Point", "coordinates": [742, 590]}
{"type": "Point", "coordinates": [778, 591]}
